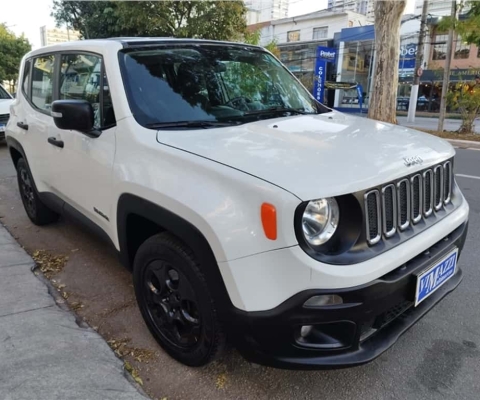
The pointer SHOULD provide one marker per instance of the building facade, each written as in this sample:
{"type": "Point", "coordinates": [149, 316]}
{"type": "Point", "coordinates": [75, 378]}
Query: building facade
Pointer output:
{"type": "Point", "coordinates": [267, 10]}
{"type": "Point", "coordinates": [298, 38]}
{"type": "Point", "coordinates": [436, 8]}
{"type": "Point", "coordinates": [57, 35]}
{"type": "Point", "coordinates": [365, 7]}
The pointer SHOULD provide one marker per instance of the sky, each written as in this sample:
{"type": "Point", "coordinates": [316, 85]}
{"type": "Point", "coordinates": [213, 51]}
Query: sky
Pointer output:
{"type": "Point", "coordinates": [27, 16]}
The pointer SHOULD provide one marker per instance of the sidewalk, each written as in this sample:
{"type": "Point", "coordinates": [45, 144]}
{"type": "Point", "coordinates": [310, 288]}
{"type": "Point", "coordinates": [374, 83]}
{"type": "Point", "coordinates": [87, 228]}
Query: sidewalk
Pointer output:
{"type": "Point", "coordinates": [44, 353]}
{"type": "Point", "coordinates": [432, 123]}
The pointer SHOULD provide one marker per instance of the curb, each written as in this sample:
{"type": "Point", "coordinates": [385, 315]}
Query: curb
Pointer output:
{"type": "Point", "coordinates": [464, 144]}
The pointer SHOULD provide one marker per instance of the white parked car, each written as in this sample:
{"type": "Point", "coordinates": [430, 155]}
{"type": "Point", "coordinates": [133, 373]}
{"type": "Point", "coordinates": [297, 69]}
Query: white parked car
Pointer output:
{"type": "Point", "coordinates": [246, 209]}
{"type": "Point", "coordinates": [5, 101]}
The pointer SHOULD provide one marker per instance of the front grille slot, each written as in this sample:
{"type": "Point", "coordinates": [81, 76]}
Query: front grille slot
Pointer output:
{"type": "Point", "coordinates": [4, 118]}
{"type": "Point", "coordinates": [403, 194]}
{"type": "Point", "coordinates": [416, 189]}
{"type": "Point", "coordinates": [438, 185]}
{"type": "Point", "coordinates": [389, 208]}
{"type": "Point", "coordinates": [447, 175]}
{"type": "Point", "coordinates": [428, 192]}
{"type": "Point", "coordinates": [394, 207]}
{"type": "Point", "coordinates": [372, 207]}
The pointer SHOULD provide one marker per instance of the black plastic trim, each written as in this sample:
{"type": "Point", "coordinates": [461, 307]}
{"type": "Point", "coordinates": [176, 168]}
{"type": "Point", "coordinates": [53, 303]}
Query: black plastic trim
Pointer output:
{"type": "Point", "coordinates": [130, 204]}
{"type": "Point", "coordinates": [270, 337]}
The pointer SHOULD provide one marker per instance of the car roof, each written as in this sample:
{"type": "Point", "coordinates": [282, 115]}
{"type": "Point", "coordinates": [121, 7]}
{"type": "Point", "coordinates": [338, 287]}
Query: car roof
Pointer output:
{"type": "Point", "coordinates": [126, 42]}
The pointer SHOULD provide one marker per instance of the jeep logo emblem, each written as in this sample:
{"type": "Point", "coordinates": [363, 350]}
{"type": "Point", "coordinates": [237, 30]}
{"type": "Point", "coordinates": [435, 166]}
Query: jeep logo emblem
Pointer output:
{"type": "Point", "coordinates": [409, 161]}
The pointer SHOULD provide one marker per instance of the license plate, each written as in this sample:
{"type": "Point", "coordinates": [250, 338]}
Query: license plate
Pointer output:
{"type": "Point", "coordinates": [434, 277]}
{"type": "Point", "coordinates": [2, 127]}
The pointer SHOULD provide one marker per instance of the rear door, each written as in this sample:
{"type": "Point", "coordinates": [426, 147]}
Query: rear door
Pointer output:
{"type": "Point", "coordinates": [33, 120]}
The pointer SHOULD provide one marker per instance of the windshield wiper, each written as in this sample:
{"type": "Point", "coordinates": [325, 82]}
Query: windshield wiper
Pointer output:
{"type": "Point", "coordinates": [189, 124]}
{"type": "Point", "coordinates": [276, 110]}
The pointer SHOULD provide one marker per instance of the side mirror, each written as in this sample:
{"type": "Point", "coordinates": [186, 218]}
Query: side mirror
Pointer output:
{"type": "Point", "coordinates": [74, 115]}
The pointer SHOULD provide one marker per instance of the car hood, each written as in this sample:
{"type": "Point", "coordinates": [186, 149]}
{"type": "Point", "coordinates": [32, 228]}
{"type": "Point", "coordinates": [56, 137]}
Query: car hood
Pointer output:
{"type": "Point", "coordinates": [5, 106]}
{"type": "Point", "coordinates": [315, 156]}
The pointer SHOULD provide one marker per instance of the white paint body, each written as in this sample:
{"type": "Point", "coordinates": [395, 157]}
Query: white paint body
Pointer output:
{"type": "Point", "coordinates": [218, 178]}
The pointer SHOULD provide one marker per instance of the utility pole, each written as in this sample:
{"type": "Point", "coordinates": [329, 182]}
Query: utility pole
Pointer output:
{"type": "Point", "coordinates": [412, 106]}
{"type": "Point", "coordinates": [446, 71]}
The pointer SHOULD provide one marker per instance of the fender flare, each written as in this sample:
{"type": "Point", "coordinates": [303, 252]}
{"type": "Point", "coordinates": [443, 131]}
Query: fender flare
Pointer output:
{"type": "Point", "coordinates": [15, 144]}
{"type": "Point", "coordinates": [183, 230]}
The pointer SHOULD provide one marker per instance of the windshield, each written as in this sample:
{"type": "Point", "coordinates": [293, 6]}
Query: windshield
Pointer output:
{"type": "Point", "coordinates": [210, 85]}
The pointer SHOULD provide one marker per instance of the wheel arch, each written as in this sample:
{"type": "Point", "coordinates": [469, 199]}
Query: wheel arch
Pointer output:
{"type": "Point", "coordinates": [130, 206]}
{"type": "Point", "coordinates": [16, 150]}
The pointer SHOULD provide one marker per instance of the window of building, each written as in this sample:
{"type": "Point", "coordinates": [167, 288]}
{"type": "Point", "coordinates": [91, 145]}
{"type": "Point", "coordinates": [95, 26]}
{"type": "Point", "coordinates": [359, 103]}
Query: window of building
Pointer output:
{"type": "Point", "coordinates": [293, 36]}
{"type": "Point", "coordinates": [462, 50]}
{"type": "Point", "coordinates": [320, 33]}
{"type": "Point", "coordinates": [440, 47]}
{"type": "Point", "coordinates": [42, 82]}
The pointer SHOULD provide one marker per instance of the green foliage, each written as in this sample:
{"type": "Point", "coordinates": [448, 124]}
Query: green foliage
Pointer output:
{"type": "Point", "coordinates": [93, 19]}
{"type": "Point", "coordinates": [467, 28]}
{"type": "Point", "coordinates": [465, 98]}
{"type": "Point", "coordinates": [12, 49]}
{"type": "Point", "coordinates": [254, 38]}
{"type": "Point", "coordinates": [216, 20]}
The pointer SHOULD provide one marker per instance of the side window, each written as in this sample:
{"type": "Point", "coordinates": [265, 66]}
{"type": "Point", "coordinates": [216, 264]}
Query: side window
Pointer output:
{"type": "Point", "coordinates": [26, 77]}
{"type": "Point", "coordinates": [42, 82]}
{"type": "Point", "coordinates": [80, 79]}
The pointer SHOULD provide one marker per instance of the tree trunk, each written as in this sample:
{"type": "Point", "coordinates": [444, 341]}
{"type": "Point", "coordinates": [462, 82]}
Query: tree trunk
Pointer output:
{"type": "Point", "coordinates": [383, 103]}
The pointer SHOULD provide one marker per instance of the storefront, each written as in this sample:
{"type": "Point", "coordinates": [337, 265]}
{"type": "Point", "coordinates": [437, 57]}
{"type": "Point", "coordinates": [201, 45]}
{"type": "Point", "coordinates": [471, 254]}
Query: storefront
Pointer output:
{"type": "Point", "coordinates": [356, 54]}
{"type": "Point", "coordinates": [300, 59]}
{"type": "Point", "coordinates": [430, 89]}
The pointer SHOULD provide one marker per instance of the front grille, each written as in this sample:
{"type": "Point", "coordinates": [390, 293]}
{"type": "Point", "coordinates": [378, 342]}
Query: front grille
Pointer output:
{"type": "Point", "coordinates": [407, 202]}
{"type": "Point", "coordinates": [4, 118]}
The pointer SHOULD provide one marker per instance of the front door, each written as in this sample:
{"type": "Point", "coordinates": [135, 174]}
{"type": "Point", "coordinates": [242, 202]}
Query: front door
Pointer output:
{"type": "Point", "coordinates": [85, 179]}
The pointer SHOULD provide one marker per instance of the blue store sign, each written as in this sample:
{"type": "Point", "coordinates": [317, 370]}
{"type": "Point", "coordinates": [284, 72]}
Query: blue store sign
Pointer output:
{"type": "Point", "coordinates": [408, 55]}
{"type": "Point", "coordinates": [324, 55]}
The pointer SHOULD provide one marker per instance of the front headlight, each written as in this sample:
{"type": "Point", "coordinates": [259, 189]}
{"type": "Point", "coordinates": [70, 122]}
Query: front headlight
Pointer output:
{"type": "Point", "coordinates": [320, 221]}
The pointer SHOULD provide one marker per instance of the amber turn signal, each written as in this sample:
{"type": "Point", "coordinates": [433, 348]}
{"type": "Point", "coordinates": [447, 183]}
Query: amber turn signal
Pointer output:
{"type": "Point", "coordinates": [269, 221]}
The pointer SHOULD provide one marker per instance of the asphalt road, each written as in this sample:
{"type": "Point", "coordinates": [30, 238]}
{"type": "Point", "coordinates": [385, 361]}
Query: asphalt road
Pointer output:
{"type": "Point", "coordinates": [437, 358]}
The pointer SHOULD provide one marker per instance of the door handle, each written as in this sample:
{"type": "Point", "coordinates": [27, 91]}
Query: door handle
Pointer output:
{"type": "Point", "coordinates": [22, 125]}
{"type": "Point", "coordinates": [55, 142]}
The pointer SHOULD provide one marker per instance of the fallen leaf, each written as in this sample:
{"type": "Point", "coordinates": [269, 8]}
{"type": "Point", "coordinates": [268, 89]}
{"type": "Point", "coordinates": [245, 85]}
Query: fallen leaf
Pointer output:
{"type": "Point", "coordinates": [221, 381]}
{"type": "Point", "coordinates": [48, 263]}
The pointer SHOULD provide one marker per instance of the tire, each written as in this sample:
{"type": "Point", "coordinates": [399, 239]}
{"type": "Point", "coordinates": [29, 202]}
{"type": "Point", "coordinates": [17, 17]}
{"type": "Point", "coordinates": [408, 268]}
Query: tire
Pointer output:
{"type": "Point", "coordinates": [38, 212]}
{"type": "Point", "coordinates": [175, 301]}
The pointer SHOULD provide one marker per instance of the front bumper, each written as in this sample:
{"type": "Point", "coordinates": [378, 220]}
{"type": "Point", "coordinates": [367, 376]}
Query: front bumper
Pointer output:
{"type": "Point", "coordinates": [370, 320]}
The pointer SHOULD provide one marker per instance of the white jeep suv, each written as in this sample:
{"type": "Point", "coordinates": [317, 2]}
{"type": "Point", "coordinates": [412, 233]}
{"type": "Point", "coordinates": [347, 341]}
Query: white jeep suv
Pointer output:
{"type": "Point", "coordinates": [246, 209]}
